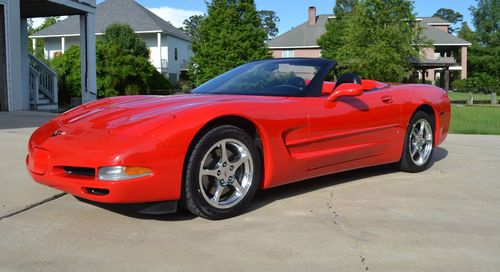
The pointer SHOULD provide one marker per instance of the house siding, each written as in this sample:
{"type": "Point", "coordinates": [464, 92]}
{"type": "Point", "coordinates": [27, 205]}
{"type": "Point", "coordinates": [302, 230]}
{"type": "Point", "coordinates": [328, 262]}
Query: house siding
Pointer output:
{"type": "Point", "coordinates": [184, 54]}
{"type": "Point", "coordinates": [53, 46]}
{"type": "Point", "coordinates": [298, 53]}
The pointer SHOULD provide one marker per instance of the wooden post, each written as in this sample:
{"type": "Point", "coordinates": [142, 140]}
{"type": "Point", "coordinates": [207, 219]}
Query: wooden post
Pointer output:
{"type": "Point", "coordinates": [470, 101]}
{"type": "Point", "coordinates": [494, 100]}
{"type": "Point", "coordinates": [446, 78]}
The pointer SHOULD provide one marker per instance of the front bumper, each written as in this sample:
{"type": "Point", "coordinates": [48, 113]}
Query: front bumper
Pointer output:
{"type": "Point", "coordinates": [49, 157]}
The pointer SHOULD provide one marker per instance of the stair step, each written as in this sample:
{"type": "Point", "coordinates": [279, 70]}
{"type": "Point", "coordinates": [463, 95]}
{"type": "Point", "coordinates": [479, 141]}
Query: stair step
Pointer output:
{"type": "Point", "coordinates": [47, 107]}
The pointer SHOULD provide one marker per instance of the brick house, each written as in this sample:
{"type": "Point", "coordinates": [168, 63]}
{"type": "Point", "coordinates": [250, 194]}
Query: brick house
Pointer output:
{"type": "Point", "coordinates": [448, 58]}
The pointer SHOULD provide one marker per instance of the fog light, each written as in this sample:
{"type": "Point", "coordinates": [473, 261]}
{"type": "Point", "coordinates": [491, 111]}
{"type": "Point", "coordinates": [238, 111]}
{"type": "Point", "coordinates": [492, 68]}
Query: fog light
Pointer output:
{"type": "Point", "coordinates": [113, 173]}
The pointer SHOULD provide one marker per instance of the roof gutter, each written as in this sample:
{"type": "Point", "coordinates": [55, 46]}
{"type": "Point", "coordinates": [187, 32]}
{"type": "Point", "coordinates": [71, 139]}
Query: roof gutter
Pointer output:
{"type": "Point", "coordinates": [296, 47]}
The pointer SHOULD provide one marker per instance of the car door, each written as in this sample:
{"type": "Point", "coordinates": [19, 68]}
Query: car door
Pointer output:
{"type": "Point", "coordinates": [352, 128]}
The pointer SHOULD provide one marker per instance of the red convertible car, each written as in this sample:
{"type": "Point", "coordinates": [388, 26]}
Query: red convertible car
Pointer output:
{"type": "Point", "coordinates": [260, 125]}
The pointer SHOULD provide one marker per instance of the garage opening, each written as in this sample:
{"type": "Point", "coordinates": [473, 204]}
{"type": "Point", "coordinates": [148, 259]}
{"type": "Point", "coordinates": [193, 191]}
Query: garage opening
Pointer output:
{"type": "Point", "coordinates": [3, 61]}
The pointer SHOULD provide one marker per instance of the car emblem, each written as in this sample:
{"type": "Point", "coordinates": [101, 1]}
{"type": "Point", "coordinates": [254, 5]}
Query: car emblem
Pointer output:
{"type": "Point", "coordinates": [58, 133]}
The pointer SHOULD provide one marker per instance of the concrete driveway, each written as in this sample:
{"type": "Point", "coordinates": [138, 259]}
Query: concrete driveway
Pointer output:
{"type": "Point", "coordinates": [376, 219]}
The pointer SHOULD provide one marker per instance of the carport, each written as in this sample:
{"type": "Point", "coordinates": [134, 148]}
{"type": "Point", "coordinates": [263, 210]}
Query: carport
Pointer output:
{"type": "Point", "coordinates": [422, 65]}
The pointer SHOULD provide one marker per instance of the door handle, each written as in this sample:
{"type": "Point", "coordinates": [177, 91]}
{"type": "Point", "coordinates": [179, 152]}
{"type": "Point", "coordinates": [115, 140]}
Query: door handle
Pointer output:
{"type": "Point", "coordinates": [387, 99]}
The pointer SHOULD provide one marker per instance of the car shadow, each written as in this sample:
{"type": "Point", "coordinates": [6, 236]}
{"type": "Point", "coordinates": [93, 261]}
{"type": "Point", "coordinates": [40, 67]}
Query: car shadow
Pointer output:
{"type": "Point", "coordinates": [266, 197]}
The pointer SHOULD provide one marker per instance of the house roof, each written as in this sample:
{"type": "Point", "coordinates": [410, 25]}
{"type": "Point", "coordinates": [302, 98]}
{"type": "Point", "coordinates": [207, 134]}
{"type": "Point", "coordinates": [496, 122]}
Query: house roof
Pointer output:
{"type": "Point", "coordinates": [440, 37]}
{"type": "Point", "coordinates": [306, 36]}
{"type": "Point", "coordinates": [115, 11]}
{"type": "Point", "coordinates": [302, 36]}
{"type": "Point", "coordinates": [433, 20]}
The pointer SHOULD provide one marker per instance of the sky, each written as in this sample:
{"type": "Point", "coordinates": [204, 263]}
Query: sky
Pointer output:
{"type": "Point", "coordinates": [290, 12]}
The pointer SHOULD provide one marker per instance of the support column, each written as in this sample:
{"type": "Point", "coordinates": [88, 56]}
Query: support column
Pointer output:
{"type": "Point", "coordinates": [446, 78]}
{"type": "Point", "coordinates": [33, 44]}
{"type": "Point", "coordinates": [158, 37]}
{"type": "Point", "coordinates": [464, 62]}
{"type": "Point", "coordinates": [87, 57]}
{"type": "Point", "coordinates": [423, 76]}
{"type": "Point", "coordinates": [441, 79]}
{"type": "Point", "coordinates": [25, 93]}
{"type": "Point", "coordinates": [63, 44]}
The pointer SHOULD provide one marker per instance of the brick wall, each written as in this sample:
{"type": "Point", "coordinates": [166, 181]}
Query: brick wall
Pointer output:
{"type": "Point", "coordinates": [299, 53]}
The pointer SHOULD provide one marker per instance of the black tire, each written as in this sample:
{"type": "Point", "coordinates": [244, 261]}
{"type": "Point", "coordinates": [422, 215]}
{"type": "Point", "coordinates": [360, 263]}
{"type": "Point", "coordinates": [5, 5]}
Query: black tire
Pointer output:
{"type": "Point", "coordinates": [194, 199]}
{"type": "Point", "coordinates": [407, 162]}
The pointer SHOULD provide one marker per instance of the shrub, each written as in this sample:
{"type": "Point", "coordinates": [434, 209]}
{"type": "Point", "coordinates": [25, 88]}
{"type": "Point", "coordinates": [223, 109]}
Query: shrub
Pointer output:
{"type": "Point", "coordinates": [480, 82]}
{"type": "Point", "coordinates": [122, 67]}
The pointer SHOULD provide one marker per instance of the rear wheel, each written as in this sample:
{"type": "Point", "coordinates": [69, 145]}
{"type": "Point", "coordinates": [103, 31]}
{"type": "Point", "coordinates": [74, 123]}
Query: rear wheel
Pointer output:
{"type": "Point", "coordinates": [222, 174]}
{"type": "Point", "coordinates": [419, 144]}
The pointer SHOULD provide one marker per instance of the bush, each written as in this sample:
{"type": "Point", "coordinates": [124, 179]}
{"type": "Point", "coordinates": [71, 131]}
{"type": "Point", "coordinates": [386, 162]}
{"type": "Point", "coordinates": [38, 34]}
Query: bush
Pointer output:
{"type": "Point", "coordinates": [122, 67]}
{"type": "Point", "coordinates": [480, 82]}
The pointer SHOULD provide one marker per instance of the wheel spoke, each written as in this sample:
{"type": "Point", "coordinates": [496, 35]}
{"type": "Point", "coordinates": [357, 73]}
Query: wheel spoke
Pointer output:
{"type": "Point", "coordinates": [413, 135]}
{"type": "Point", "coordinates": [421, 154]}
{"type": "Point", "coordinates": [209, 172]}
{"type": "Point", "coordinates": [413, 151]}
{"type": "Point", "coordinates": [421, 128]}
{"type": "Point", "coordinates": [238, 188]}
{"type": "Point", "coordinates": [223, 150]}
{"type": "Point", "coordinates": [242, 160]}
{"type": "Point", "coordinates": [218, 192]}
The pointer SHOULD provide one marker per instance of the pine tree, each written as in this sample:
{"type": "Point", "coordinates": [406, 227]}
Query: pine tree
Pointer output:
{"type": "Point", "coordinates": [466, 33]}
{"type": "Point", "coordinates": [230, 35]}
{"type": "Point", "coordinates": [451, 16]}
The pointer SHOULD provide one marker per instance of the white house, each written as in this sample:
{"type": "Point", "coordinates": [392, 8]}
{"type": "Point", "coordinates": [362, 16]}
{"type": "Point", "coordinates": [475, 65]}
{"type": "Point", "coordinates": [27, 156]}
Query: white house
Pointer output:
{"type": "Point", "coordinates": [25, 82]}
{"type": "Point", "coordinates": [170, 47]}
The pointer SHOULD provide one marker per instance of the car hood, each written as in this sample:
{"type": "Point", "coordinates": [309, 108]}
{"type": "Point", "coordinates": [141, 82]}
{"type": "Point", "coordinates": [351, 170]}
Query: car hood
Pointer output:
{"type": "Point", "coordinates": [119, 113]}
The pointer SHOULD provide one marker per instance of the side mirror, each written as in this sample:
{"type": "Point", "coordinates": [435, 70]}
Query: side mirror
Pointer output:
{"type": "Point", "coordinates": [346, 89]}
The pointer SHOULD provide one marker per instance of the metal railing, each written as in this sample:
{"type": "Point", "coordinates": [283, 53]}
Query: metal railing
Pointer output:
{"type": "Point", "coordinates": [42, 82]}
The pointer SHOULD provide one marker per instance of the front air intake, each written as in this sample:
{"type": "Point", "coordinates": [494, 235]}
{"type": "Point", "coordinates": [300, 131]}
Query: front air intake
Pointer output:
{"type": "Point", "coordinates": [79, 171]}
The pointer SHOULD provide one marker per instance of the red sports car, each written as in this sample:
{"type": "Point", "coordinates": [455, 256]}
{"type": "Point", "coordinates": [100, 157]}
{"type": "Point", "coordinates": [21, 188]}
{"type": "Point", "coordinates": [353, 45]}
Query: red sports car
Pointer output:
{"type": "Point", "coordinates": [260, 125]}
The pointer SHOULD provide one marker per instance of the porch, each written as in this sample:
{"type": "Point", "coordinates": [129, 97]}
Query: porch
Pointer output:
{"type": "Point", "coordinates": [30, 83]}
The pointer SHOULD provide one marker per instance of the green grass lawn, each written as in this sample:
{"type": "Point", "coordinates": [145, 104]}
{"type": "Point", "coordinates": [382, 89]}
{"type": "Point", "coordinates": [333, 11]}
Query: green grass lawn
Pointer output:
{"type": "Point", "coordinates": [475, 120]}
{"type": "Point", "coordinates": [454, 96]}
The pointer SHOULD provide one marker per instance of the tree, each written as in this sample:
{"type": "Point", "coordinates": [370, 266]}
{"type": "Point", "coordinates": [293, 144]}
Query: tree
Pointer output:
{"type": "Point", "coordinates": [270, 23]}
{"type": "Point", "coordinates": [382, 50]}
{"type": "Point", "coordinates": [123, 36]}
{"type": "Point", "coordinates": [332, 40]}
{"type": "Point", "coordinates": [39, 44]}
{"type": "Point", "coordinates": [484, 55]}
{"type": "Point", "coordinates": [268, 17]}
{"type": "Point", "coordinates": [466, 33]}
{"type": "Point", "coordinates": [191, 25]}
{"type": "Point", "coordinates": [230, 35]}
{"type": "Point", "coordinates": [122, 67]}
{"type": "Point", "coordinates": [454, 17]}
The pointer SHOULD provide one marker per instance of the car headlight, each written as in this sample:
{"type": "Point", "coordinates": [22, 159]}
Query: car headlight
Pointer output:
{"type": "Point", "coordinates": [114, 173]}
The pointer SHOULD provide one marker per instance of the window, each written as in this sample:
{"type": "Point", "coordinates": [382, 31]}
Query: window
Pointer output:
{"type": "Point", "coordinates": [175, 54]}
{"type": "Point", "coordinates": [287, 54]}
{"type": "Point", "coordinates": [268, 77]}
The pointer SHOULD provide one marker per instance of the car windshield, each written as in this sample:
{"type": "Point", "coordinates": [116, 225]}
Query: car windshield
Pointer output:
{"type": "Point", "coordinates": [282, 77]}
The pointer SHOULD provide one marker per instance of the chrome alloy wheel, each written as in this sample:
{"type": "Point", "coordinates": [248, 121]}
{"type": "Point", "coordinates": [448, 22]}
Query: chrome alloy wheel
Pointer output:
{"type": "Point", "coordinates": [226, 173]}
{"type": "Point", "coordinates": [421, 142]}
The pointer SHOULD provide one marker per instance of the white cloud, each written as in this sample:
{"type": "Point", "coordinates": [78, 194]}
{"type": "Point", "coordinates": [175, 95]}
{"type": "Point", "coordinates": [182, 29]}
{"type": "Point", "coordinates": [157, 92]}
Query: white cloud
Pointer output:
{"type": "Point", "coordinates": [173, 15]}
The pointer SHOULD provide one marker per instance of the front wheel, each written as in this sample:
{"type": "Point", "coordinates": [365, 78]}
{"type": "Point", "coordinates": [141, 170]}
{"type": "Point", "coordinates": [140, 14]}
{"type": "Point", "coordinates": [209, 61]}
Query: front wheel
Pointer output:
{"type": "Point", "coordinates": [222, 173]}
{"type": "Point", "coordinates": [419, 144]}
